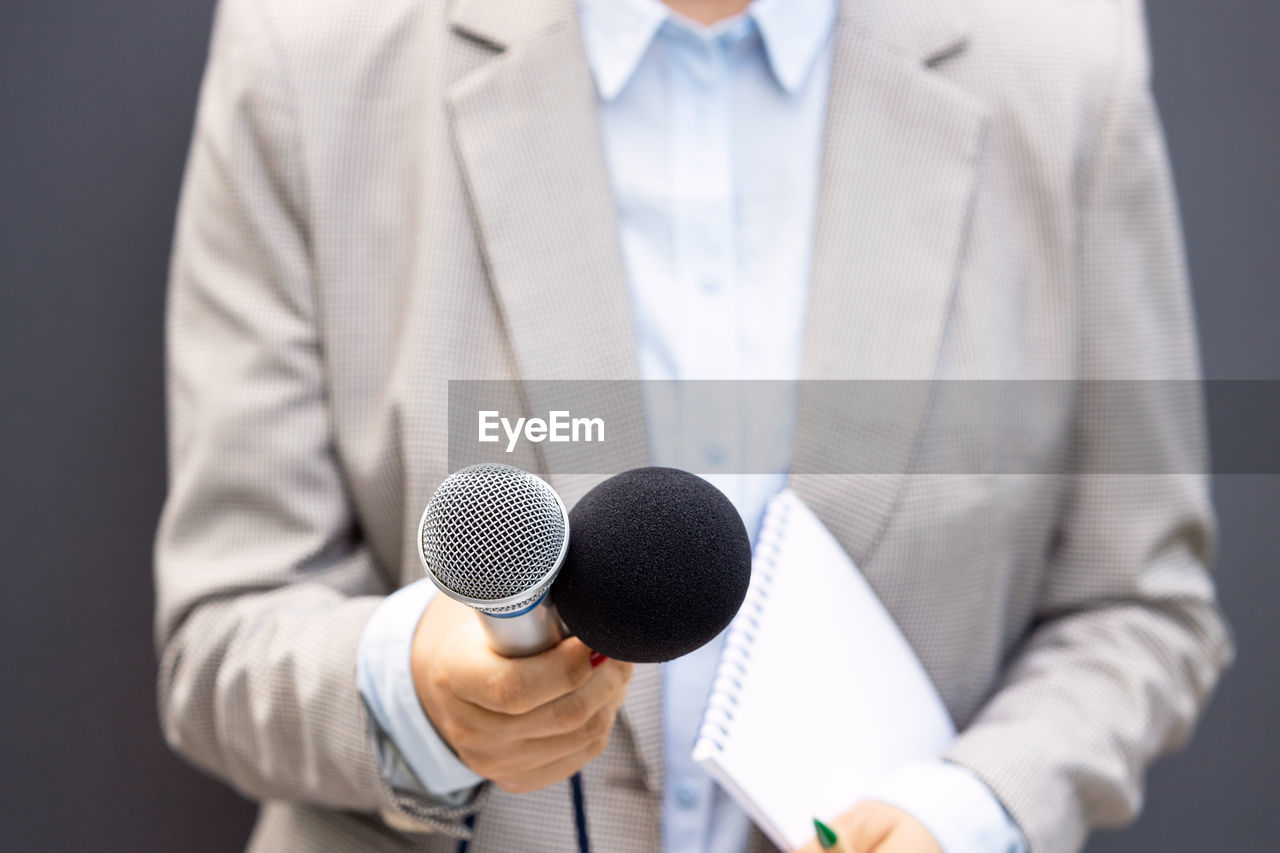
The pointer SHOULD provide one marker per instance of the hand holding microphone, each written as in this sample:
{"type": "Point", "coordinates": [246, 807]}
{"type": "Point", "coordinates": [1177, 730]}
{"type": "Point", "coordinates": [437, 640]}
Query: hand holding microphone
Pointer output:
{"type": "Point", "coordinates": [657, 565]}
{"type": "Point", "coordinates": [523, 723]}
{"type": "Point", "coordinates": [520, 705]}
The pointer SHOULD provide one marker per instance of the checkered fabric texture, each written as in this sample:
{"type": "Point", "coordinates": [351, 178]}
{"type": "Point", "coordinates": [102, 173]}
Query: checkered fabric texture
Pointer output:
{"type": "Point", "coordinates": [385, 196]}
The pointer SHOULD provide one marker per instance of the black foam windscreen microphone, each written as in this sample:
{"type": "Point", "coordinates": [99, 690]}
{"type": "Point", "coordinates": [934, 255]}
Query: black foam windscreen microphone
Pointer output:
{"type": "Point", "coordinates": [657, 566]}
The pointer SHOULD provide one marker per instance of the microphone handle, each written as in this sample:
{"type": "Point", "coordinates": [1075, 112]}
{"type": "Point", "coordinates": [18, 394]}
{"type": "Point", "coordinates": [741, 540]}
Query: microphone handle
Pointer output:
{"type": "Point", "coordinates": [526, 633]}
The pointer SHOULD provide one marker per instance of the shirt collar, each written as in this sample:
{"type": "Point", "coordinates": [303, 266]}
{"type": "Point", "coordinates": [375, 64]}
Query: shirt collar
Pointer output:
{"type": "Point", "coordinates": [617, 33]}
{"type": "Point", "coordinates": [794, 32]}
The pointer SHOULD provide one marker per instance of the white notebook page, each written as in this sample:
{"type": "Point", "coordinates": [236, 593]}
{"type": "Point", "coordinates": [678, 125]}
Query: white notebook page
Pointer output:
{"type": "Point", "coordinates": [818, 695]}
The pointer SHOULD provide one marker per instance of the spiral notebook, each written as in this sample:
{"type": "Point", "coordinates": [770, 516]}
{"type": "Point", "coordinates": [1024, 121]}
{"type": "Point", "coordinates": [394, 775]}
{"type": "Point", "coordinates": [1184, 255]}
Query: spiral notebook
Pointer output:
{"type": "Point", "coordinates": [818, 695]}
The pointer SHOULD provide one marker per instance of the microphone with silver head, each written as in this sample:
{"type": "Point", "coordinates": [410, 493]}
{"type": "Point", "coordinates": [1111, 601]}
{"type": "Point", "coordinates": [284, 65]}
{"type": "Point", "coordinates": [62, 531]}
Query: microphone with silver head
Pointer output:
{"type": "Point", "coordinates": [494, 537]}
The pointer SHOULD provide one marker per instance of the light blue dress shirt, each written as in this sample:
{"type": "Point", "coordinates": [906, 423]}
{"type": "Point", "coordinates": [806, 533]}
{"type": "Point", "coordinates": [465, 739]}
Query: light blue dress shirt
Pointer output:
{"type": "Point", "coordinates": [713, 140]}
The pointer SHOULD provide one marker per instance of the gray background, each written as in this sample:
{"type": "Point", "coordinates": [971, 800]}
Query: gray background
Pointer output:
{"type": "Point", "coordinates": [96, 103]}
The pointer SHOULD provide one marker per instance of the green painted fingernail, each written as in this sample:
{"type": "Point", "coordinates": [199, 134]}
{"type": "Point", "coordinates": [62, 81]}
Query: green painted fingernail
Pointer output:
{"type": "Point", "coordinates": [826, 835]}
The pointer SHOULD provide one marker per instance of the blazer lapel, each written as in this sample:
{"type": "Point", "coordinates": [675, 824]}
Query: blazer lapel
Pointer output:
{"type": "Point", "coordinates": [526, 133]}
{"type": "Point", "coordinates": [898, 172]}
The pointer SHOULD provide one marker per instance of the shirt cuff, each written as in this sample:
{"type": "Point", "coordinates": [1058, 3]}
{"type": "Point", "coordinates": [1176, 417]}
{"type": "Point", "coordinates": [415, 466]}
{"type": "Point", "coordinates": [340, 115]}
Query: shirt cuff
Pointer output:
{"type": "Point", "coordinates": [385, 679]}
{"type": "Point", "coordinates": [956, 807]}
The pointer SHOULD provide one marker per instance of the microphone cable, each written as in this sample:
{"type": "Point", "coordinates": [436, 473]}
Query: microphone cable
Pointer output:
{"type": "Point", "coordinates": [580, 813]}
{"type": "Point", "coordinates": [579, 818]}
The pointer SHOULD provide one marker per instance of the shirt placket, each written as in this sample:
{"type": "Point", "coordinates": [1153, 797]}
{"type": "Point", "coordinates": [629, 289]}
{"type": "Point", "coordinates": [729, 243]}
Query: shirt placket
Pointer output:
{"type": "Point", "coordinates": [705, 235]}
{"type": "Point", "coordinates": [703, 223]}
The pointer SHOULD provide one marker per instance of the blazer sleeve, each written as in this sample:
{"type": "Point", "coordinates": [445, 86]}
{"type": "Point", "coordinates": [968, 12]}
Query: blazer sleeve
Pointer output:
{"type": "Point", "coordinates": [1129, 640]}
{"type": "Point", "coordinates": [263, 584]}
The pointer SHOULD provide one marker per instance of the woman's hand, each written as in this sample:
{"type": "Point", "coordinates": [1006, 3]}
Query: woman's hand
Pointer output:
{"type": "Point", "coordinates": [524, 723]}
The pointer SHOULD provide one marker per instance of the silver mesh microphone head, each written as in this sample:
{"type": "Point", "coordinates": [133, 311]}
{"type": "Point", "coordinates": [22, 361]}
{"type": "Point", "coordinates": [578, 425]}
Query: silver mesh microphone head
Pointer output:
{"type": "Point", "coordinates": [493, 537]}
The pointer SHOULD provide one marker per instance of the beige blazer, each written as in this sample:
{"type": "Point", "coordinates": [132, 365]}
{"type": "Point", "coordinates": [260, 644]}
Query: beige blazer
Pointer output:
{"type": "Point", "coordinates": [384, 196]}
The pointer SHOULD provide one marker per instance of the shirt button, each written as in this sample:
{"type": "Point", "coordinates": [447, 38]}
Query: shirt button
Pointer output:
{"type": "Point", "coordinates": [686, 795]}
{"type": "Point", "coordinates": [714, 454]}
{"type": "Point", "coordinates": [710, 285]}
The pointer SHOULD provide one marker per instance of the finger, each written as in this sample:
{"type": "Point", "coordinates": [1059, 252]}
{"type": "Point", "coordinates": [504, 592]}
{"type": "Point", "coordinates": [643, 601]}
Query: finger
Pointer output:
{"type": "Point", "coordinates": [559, 716]}
{"type": "Point", "coordinates": [907, 835]}
{"type": "Point", "coordinates": [480, 731]}
{"type": "Point", "coordinates": [596, 727]}
{"type": "Point", "coordinates": [863, 827]}
{"type": "Point", "coordinates": [500, 760]}
{"type": "Point", "coordinates": [570, 712]}
{"type": "Point", "coordinates": [518, 685]}
{"type": "Point", "coordinates": [549, 774]}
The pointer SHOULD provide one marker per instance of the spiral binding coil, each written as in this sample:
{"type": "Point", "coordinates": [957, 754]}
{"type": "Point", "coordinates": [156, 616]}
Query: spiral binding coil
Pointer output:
{"type": "Point", "coordinates": [735, 660]}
